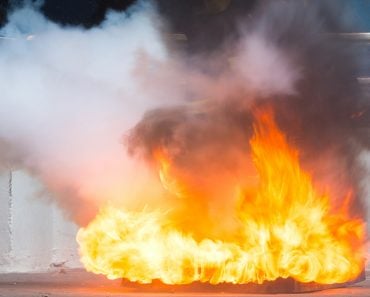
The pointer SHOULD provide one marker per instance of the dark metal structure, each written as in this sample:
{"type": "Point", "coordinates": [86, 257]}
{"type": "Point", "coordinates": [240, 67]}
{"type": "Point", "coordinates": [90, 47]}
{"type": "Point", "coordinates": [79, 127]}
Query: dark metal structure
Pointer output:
{"type": "Point", "coordinates": [279, 286]}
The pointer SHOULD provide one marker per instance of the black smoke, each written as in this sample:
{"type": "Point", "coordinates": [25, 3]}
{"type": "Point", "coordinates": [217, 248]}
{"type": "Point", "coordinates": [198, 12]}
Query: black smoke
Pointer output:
{"type": "Point", "coordinates": [326, 115]}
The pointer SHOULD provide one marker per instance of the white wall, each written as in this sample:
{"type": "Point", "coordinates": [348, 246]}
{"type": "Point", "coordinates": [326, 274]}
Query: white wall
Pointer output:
{"type": "Point", "coordinates": [34, 234]}
{"type": "Point", "coordinates": [5, 242]}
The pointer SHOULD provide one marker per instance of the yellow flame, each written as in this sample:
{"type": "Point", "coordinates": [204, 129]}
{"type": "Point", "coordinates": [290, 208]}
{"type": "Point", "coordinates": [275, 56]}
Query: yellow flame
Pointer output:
{"type": "Point", "coordinates": [166, 177]}
{"type": "Point", "coordinates": [287, 229]}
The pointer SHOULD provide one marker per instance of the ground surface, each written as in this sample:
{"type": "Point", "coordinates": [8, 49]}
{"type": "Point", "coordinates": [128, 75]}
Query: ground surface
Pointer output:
{"type": "Point", "coordinates": [80, 284]}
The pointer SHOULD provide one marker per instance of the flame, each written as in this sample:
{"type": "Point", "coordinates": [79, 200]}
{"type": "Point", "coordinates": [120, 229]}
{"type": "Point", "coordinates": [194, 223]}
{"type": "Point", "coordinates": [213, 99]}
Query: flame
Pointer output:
{"type": "Point", "coordinates": [286, 229]}
{"type": "Point", "coordinates": [166, 176]}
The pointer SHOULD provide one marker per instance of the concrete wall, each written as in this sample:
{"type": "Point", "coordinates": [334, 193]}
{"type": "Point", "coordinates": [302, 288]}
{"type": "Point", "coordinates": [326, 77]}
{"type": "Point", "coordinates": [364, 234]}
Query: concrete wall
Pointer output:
{"type": "Point", "coordinates": [34, 235]}
{"type": "Point", "coordinates": [5, 237]}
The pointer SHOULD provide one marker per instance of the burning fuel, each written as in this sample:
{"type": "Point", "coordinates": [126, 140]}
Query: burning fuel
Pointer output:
{"type": "Point", "coordinates": [286, 228]}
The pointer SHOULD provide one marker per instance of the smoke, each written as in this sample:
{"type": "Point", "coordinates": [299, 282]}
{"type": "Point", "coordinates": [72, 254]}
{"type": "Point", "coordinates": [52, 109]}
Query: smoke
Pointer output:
{"type": "Point", "coordinates": [86, 110]}
{"type": "Point", "coordinates": [67, 96]}
{"type": "Point", "coordinates": [284, 56]}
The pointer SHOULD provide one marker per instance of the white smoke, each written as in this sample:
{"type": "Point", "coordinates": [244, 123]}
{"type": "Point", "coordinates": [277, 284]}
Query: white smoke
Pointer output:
{"type": "Point", "coordinates": [69, 94]}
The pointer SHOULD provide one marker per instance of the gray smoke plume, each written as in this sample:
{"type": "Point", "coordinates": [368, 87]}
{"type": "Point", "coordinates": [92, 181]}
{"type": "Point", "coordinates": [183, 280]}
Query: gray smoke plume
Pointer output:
{"type": "Point", "coordinates": [283, 56]}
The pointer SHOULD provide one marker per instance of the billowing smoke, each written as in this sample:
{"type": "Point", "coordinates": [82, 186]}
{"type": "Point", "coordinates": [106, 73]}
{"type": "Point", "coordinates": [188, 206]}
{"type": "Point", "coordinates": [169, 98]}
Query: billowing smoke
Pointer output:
{"type": "Point", "coordinates": [68, 95]}
{"type": "Point", "coordinates": [86, 110]}
{"type": "Point", "coordinates": [283, 56]}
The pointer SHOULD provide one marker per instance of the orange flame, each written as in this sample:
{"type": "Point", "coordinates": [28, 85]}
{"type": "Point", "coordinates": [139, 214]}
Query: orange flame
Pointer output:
{"type": "Point", "coordinates": [286, 229]}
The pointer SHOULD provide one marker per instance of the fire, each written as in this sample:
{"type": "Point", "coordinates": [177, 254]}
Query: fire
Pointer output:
{"type": "Point", "coordinates": [286, 229]}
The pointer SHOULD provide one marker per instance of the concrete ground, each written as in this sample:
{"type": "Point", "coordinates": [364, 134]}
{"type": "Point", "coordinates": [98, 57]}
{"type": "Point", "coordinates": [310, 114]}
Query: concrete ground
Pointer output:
{"type": "Point", "coordinates": [80, 284]}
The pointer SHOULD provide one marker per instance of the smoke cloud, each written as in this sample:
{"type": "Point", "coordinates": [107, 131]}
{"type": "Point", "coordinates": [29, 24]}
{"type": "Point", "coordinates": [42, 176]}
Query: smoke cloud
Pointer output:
{"type": "Point", "coordinates": [287, 58]}
{"type": "Point", "coordinates": [68, 95]}
{"type": "Point", "coordinates": [86, 110]}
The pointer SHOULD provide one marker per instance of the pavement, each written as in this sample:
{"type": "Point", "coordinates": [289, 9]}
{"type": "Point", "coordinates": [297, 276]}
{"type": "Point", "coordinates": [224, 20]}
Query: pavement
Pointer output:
{"type": "Point", "coordinates": [62, 282]}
